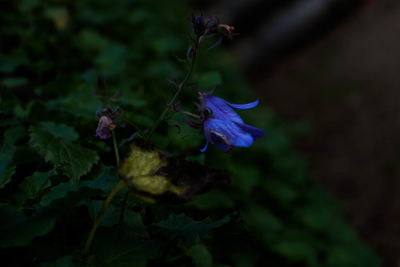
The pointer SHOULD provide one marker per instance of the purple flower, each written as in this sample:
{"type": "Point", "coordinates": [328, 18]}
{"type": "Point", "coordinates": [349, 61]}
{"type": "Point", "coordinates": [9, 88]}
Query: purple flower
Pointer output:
{"type": "Point", "coordinates": [223, 127]}
{"type": "Point", "coordinates": [106, 125]}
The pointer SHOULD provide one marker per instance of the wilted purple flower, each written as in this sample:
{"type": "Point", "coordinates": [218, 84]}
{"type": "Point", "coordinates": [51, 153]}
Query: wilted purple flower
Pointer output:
{"type": "Point", "coordinates": [106, 125]}
{"type": "Point", "coordinates": [223, 127]}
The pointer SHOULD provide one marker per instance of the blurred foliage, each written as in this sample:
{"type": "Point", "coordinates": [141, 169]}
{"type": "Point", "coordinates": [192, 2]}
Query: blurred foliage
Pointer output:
{"type": "Point", "coordinates": [54, 174]}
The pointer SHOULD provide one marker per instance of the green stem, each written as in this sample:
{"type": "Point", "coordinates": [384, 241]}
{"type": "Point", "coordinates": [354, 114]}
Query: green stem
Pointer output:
{"type": "Point", "coordinates": [96, 223]}
{"type": "Point", "coordinates": [172, 101]}
{"type": "Point", "coordinates": [115, 148]}
{"type": "Point", "coordinates": [122, 215]}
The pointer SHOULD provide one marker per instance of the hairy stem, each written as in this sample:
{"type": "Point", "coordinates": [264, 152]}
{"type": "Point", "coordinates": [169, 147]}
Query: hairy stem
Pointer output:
{"type": "Point", "coordinates": [173, 99]}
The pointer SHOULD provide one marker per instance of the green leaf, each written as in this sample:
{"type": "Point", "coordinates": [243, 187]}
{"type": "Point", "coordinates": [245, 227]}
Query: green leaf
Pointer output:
{"type": "Point", "coordinates": [200, 255]}
{"type": "Point", "coordinates": [8, 64]}
{"type": "Point", "coordinates": [73, 160]}
{"type": "Point", "coordinates": [246, 177]}
{"type": "Point", "coordinates": [14, 82]}
{"type": "Point", "coordinates": [20, 112]}
{"type": "Point", "coordinates": [67, 133]}
{"type": "Point", "coordinates": [13, 134]}
{"type": "Point", "coordinates": [66, 261]}
{"type": "Point", "coordinates": [112, 60]}
{"type": "Point", "coordinates": [181, 226]}
{"type": "Point", "coordinates": [32, 185]}
{"type": "Point", "coordinates": [279, 190]}
{"type": "Point", "coordinates": [120, 249]}
{"type": "Point", "coordinates": [58, 192]}
{"type": "Point", "coordinates": [110, 217]}
{"type": "Point", "coordinates": [351, 256]}
{"type": "Point", "coordinates": [91, 40]}
{"type": "Point", "coordinates": [297, 251]}
{"type": "Point", "coordinates": [262, 221]}
{"type": "Point", "coordinates": [6, 170]}
{"type": "Point", "coordinates": [213, 200]}
{"type": "Point", "coordinates": [105, 180]}
{"type": "Point", "coordinates": [134, 223]}
{"type": "Point", "coordinates": [19, 230]}
{"type": "Point", "coordinates": [81, 103]}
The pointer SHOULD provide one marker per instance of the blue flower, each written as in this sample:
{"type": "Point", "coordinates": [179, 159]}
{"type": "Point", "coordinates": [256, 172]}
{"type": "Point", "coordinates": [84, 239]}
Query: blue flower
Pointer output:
{"type": "Point", "coordinates": [223, 127]}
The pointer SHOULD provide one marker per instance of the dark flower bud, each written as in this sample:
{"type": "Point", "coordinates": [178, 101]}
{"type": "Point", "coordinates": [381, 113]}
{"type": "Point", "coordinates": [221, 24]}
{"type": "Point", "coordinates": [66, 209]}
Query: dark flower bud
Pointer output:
{"type": "Point", "coordinates": [203, 26]}
{"type": "Point", "coordinates": [211, 23]}
{"type": "Point", "coordinates": [199, 25]}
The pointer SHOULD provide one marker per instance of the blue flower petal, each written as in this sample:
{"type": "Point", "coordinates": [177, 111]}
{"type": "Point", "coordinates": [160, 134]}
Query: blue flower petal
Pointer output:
{"type": "Point", "coordinates": [227, 133]}
{"type": "Point", "coordinates": [221, 109]}
{"type": "Point", "coordinates": [224, 147]}
{"type": "Point", "coordinates": [244, 106]}
{"type": "Point", "coordinates": [205, 147]}
{"type": "Point", "coordinates": [255, 132]}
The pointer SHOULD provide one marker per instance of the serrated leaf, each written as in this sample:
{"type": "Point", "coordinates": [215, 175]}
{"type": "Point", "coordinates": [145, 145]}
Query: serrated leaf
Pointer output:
{"type": "Point", "coordinates": [67, 133]}
{"type": "Point", "coordinates": [71, 159]}
{"type": "Point", "coordinates": [32, 185]}
{"type": "Point", "coordinates": [74, 160]}
{"type": "Point", "coordinates": [19, 230]}
{"type": "Point", "coordinates": [6, 170]}
{"type": "Point", "coordinates": [187, 228]}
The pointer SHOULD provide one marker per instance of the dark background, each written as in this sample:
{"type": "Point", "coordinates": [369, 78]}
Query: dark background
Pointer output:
{"type": "Point", "coordinates": [334, 64]}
